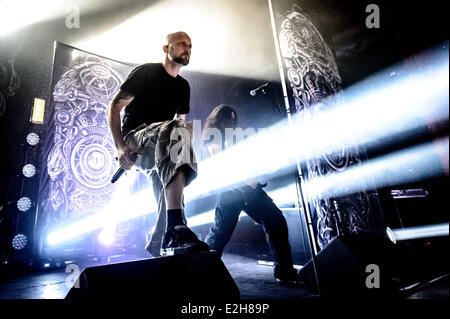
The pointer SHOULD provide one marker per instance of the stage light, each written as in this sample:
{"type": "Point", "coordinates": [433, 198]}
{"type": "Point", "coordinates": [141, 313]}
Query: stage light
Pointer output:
{"type": "Point", "coordinates": [37, 116]}
{"type": "Point", "coordinates": [266, 263]}
{"type": "Point", "coordinates": [82, 227]}
{"type": "Point", "coordinates": [391, 235]}
{"type": "Point", "coordinates": [271, 264]}
{"type": "Point", "coordinates": [144, 204]}
{"type": "Point", "coordinates": [225, 21]}
{"type": "Point", "coordinates": [24, 204]}
{"type": "Point", "coordinates": [29, 170]}
{"type": "Point", "coordinates": [19, 241]}
{"type": "Point", "coordinates": [202, 219]}
{"type": "Point", "coordinates": [50, 291]}
{"type": "Point", "coordinates": [53, 239]}
{"type": "Point", "coordinates": [405, 166]}
{"type": "Point", "coordinates": [122, 207]}
{"type": "Point", "coordinates": [16, 14]}
{"type": "Point", "coordinates": [106, 236]}
{"type": "Point", "coordinates": [418, 232]}
{"type": "Point", "coordinates": [283, 196]}
{"type": "Point", "coordinates": [372, 112]}
{"type": "Point", "coordinates": [33, 139]}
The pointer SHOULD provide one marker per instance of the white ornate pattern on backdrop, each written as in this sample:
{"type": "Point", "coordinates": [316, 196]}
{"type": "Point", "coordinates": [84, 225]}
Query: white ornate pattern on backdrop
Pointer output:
{"type": "Point", "coordinates": [81, 160]}
{"type": "Point", "coordinates": [314, 79]}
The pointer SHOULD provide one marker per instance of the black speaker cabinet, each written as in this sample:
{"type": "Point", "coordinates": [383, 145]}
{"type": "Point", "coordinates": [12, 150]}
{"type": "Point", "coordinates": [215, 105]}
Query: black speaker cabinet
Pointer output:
{"type": "Point", "coordinates": [201, 276]}
{"type": "Point", "coordinates": [354, 265]}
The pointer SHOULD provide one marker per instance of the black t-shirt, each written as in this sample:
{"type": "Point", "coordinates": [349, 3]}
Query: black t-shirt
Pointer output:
{"type": "Point", "coordinates": [157, 96]}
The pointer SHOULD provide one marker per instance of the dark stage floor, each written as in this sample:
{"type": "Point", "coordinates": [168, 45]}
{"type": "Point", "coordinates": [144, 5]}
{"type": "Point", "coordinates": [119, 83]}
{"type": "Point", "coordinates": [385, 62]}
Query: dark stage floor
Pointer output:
{"type": "Point", "coordinates": [255, 281]}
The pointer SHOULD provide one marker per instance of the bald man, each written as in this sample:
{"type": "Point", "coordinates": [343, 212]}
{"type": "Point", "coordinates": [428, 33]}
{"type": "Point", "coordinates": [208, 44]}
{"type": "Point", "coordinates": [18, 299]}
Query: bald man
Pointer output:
{"type": "Point", "coordinates": [155, 138]}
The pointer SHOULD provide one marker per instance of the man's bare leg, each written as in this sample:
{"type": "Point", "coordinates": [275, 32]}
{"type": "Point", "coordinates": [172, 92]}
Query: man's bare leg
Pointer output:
{"type": "Point", "coordinates": [174, 191]}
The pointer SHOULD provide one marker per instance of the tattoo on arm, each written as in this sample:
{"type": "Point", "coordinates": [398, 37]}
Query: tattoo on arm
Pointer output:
{"type": "Point", "coordinates": [121, 95]}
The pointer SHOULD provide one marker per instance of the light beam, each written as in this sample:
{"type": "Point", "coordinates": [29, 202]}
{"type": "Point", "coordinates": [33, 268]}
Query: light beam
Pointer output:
{"type": "Point", "coordinates": [429, 231]}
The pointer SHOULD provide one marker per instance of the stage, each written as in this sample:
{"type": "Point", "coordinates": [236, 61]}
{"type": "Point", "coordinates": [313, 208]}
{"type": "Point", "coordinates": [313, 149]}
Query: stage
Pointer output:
{"type": "Point", "coordinates": [255, 281]}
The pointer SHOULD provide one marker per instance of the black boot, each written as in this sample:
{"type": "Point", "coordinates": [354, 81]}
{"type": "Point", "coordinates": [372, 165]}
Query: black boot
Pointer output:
{"type": "Point", "coordinates": [288, 275]}
{"type": "Point", "coordinates": [181, 240]}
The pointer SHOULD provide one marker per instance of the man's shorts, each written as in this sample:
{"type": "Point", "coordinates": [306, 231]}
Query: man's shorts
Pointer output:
{"type": "Point", "coordinates": [164, 146]}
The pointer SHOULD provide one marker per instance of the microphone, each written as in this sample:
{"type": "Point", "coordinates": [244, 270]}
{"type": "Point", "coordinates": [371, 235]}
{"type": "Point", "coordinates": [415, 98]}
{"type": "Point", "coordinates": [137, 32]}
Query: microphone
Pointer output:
{"type": "Point", "coordinates": [120, 171]}
{"type": "Point", "coordinates": [117, 175]}
{"type": "Point", "coordinates": [253, 92]}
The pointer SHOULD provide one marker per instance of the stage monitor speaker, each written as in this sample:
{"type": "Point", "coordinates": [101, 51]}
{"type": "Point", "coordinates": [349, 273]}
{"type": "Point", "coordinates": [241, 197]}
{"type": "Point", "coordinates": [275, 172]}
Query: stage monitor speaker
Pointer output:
{"type": "Point", "coordinates": [201, 276]}
{"type": "Point", "coordinates": [354, 265]}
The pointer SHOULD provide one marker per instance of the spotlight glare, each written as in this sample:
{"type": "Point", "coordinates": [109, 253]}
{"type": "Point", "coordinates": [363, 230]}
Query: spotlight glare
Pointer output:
{"type": "Point", "coordinates": [24, 204]}
{"type": "Point", "coordinates": [19, 241]}
{"type": "Point", "coordinates": [226, 60]}
{"type": "Point", "coordinates": [391, 235]}
{"type": "Point", "coordinates": [204, 218]}
{"type": "Point", "coordinates": [106, 236]}
{"type": "Point", "coordinates": [201, 219]}
{"type": "Point", "coordinates": [33, 139]}
{"type": "Point", "coordinates": [16, 14]}
{"type": "Point", "coordinates": [122, 207]}
{"type": "Point", "coordinates": [283, 196]}
{"type": "Point", "coordinates": [412, 164]}
{"type": "Point", "coordinates": [29, 170]}
{"type": "Point", "coordinates": [53, 239]}
{"type": "Point", "coordinates": [421, 232]}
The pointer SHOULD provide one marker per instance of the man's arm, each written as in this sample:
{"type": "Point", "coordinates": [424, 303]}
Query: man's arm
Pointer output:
{"type": "Point", "coordinates": [121, 100]}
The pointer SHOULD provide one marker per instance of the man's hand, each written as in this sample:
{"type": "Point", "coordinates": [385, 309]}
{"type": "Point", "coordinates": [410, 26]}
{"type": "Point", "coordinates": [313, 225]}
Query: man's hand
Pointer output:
{"type": "Point", "coordinates": [188, 125]}
{"type": "Point", "coordinates": [179, 117]}
{"type": "Point", "coordinates": [124, 155]}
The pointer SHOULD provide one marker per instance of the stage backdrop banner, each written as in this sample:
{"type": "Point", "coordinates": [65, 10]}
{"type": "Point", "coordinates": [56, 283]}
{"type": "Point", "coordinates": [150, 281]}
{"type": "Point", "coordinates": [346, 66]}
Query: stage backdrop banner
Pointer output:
{"type": "Point", "coordinates": [313, 84]}
{"type": "Point", "coordinates": [79, 152]}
